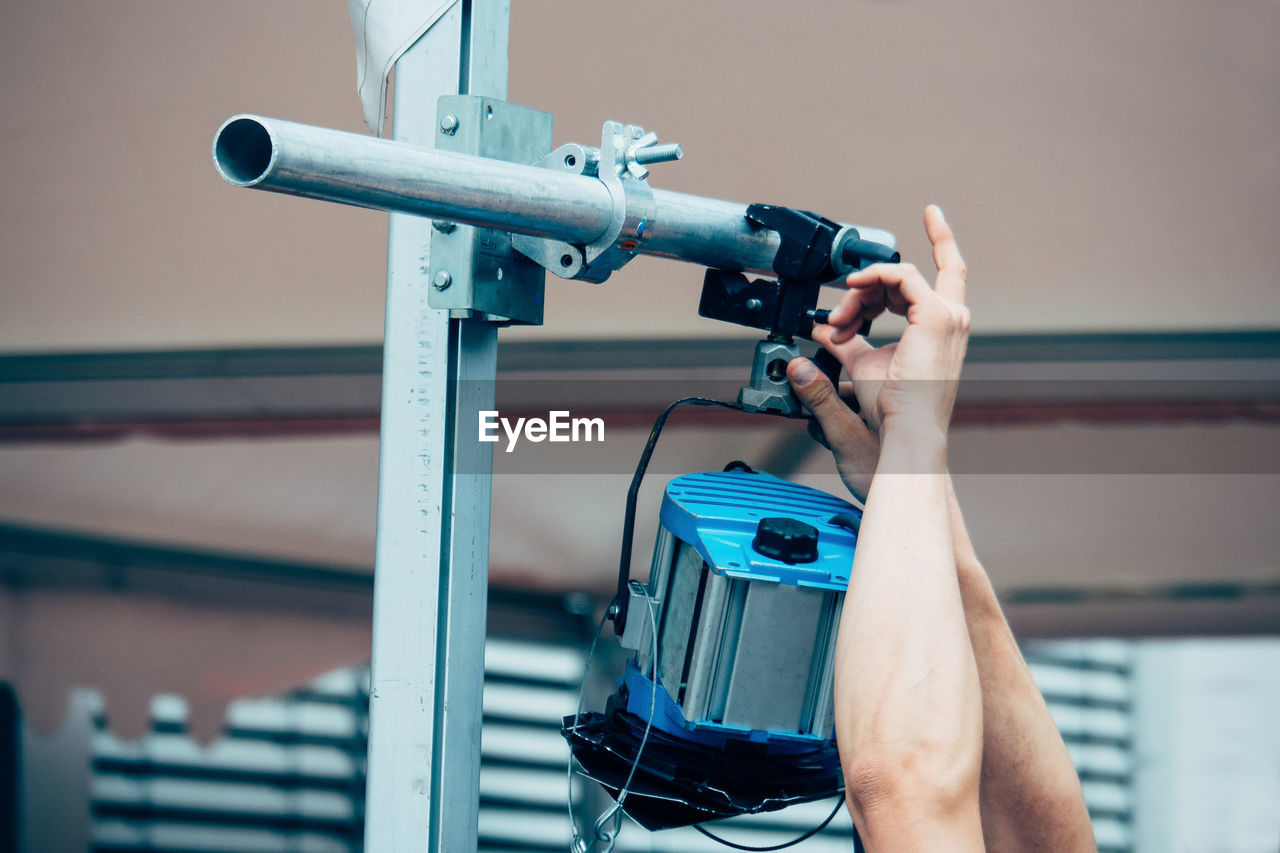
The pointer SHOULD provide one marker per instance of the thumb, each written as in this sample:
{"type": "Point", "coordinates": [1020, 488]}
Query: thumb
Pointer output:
{"type": "Point", "coordinates": [820, 397]}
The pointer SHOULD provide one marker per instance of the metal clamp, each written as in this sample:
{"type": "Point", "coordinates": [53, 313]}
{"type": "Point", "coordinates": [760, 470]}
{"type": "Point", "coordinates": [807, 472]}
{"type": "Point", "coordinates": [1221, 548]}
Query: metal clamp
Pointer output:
{"type": "Point", "coordinates": [621, 164]}
{"type": "Point", "coordinates": [769, 390]}
{"type": "Point", "coordinates": [556, 256]}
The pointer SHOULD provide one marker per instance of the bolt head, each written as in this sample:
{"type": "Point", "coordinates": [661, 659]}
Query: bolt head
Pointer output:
{"type": "Point", "coordinates": [444, 226]}
{"type": "Point", "coordinates": [449, 124]}
{"type": "Point", "coordinates": [754, 304]}
{"type": "Point", "coordinates": [442, 280]}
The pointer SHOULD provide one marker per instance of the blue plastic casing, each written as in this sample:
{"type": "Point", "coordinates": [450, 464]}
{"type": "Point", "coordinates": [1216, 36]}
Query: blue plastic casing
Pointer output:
{"type": "Point", "coordinates": [641, 697]}
{"type": "Point", "coordinates": [717, 513]}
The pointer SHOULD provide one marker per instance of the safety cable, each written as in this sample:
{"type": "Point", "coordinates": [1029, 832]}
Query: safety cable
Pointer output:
{"type": "Point", "coordinates": [579, 844]}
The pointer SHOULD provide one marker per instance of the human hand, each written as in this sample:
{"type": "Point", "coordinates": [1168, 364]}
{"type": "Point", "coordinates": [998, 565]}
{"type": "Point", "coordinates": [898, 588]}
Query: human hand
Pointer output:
{"type": "Point", "coordinates": [855, 446]}
{"type": "Point", "coordinates": [908, 383]}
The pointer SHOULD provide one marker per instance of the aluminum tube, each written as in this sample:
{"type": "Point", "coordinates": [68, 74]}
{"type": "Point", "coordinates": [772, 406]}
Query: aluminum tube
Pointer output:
{"type": "Point", "coordinates": [708, 232]}
{"type": "Point", "coordinates": [715, 233]}
{"type": "Point", "coordinates": [349, 168]}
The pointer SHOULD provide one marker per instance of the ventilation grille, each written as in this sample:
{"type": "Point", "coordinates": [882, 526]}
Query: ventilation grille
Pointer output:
{"type": "Point", "coordinates": [287, 774]}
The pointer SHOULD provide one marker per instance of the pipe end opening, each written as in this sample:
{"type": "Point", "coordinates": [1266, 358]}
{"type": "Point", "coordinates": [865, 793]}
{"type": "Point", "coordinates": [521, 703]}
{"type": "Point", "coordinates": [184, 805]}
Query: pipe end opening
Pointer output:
{"type": "Point", "coordinates": [243, 151]}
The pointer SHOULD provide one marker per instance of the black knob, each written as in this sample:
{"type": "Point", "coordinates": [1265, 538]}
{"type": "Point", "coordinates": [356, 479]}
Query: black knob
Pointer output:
{"type": "Point", "coordinates": [787, 540]}
{"type": "Point", "coordinates": [854, 252]}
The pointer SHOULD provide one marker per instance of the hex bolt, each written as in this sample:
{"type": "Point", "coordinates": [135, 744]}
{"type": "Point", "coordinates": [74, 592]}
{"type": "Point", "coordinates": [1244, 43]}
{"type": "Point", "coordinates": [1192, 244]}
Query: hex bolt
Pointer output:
{"type": "Point", "coordinates": [442, 280]}
{"type": "Point", "coordinates": [754, 304]}
{"type": "Point", "coordinates": [449, 124]}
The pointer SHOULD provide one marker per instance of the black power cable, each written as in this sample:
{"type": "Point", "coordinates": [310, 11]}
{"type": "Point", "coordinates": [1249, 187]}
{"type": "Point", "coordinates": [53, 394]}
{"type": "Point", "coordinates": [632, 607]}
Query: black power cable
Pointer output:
{"type": "Point", "coordinates": [618, 608]}
{"type": "Point", "coordinates": [857, 842]}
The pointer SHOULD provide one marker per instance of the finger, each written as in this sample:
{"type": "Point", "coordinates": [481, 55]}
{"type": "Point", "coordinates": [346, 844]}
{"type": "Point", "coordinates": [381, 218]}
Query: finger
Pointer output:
{"type": "Point", "coordinates": [868, 296]}
{"type": "Point", "coordinates": [865, 308]}
{"type": "Point", "coordinates": [856, 307]}
{"type": "Point", "coordinates": [819, 396]}
{"type": "Point", "coordinates": [846, 350]}
{"type": "Point", "coordinates": [902, 286]}
{"type": "Point", "coordinates": [952, 274]}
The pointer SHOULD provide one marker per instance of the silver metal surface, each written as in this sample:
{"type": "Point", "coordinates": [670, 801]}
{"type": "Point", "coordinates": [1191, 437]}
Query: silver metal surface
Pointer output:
{"type": "Point", "coordinates": [768, 390]}
{"type": "Point", "coordinates": [636, 634]}
{"type": "Point", "coordinates": [488, 276]}
{"type": "Point", "coordinates": [658, 154]}
{"type": "Point", "coordinates": [632, 204]}
{"type": "Point", "coordinates": [715, 233]}
{"type": "Point", "coordinates": [556, 256]}
{"type": "Point", "coordinates": [679, 606]}
{"type": "Point", "coordinates": [750, 654]}
{"type": "Point", "coordinates": [820, 694]}
{"type": "Point", "coordinates": [717, 618]}
{"type": "Point", "coordinates": [641, 150]}
{"type": "Point", "coordinates": [771, 656]}
{"type": "Point", "coordinates": [347, 168]}
{"type": "Point", "coordinates": [431, 568]}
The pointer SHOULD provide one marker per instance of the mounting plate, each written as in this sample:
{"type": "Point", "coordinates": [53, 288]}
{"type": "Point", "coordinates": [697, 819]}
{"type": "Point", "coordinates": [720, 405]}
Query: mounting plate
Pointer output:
{"type": "Point", "coordinates": [474, 272]}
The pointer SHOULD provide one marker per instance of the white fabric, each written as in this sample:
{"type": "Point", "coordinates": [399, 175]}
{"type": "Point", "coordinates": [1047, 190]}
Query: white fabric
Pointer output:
{"type": "Point", "coordinates": [385, 29]}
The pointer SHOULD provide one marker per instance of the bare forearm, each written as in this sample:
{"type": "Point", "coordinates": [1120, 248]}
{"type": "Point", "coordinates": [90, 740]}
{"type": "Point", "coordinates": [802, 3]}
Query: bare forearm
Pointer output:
{"type": "Point", "coordinates": [907, 692]}
{"type": "Point", "coordinates": [1030, 794]}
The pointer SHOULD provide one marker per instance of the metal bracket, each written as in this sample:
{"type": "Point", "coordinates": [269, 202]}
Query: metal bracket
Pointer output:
{"type": "Point", "coordinates": [555, 256]}
{"type": "Point", "coordinates": [476, 272]}
{"type": "Point", "coordinates": [769, 390]}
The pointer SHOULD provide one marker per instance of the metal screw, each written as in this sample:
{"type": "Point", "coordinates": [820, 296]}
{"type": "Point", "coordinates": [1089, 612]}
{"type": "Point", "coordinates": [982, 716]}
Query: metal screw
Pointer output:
{"type": "Point", "coordinates": [651, 154]}
{"type": "Point", "coordinates": [444, 226]}
{"type": "Point", "coordinates": [449, 124]}
{"type": "Point", "coordinates": [754, 304]}
{"type": "Point", "coordinates": [442, 280]}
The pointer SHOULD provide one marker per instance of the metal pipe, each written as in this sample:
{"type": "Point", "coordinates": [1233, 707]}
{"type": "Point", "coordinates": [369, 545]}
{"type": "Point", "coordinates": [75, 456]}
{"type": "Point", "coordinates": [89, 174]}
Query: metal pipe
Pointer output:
{"type": "Point", "coordinates": [708, 232]}
{"type": "Point", "coordinates": [348, 168]}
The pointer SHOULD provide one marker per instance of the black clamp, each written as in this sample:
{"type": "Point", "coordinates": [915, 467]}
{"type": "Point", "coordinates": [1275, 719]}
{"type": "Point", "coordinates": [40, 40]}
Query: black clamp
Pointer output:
{"type": "Point", "coordinates": [812, 251]}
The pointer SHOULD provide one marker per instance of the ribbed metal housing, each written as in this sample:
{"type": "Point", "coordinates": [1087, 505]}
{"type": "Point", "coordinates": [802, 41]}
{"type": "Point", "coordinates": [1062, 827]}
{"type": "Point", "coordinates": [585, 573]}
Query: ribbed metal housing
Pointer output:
{"type": "Point", "coordinates": [744, 641]}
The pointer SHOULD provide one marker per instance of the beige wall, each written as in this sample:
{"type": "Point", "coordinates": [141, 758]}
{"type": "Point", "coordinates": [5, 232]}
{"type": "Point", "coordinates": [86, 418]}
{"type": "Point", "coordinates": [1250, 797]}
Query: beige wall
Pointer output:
{"type": "Point", "coordinates": [1107, 166]}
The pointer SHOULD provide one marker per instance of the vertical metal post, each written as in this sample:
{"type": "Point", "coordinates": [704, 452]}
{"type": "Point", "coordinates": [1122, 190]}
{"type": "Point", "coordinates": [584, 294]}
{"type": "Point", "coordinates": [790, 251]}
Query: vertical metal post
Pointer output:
{"type": "Point", "coordinates": [431, 570]}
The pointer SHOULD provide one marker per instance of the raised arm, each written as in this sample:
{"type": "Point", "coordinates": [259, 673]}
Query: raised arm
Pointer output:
{"type": "Point", "coordinates": [908, 701]}
{"type": "Point", "coordinates": [1030, 796]}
